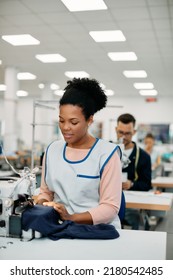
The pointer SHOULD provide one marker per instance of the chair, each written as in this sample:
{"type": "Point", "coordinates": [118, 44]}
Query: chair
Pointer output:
{"type": "Point", "coordinates": [122, 209]}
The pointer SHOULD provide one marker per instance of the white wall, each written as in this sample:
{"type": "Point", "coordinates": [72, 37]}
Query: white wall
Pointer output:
{"type": "Point", "coordinates": [159, 112]}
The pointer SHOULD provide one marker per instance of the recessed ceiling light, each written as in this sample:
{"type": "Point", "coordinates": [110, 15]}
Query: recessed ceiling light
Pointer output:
{"type": "Point", "coordinates": [84, 5]}
{"type": "Point", "coordinates": [51, 58]}
{"type": "Point", "coordinates": [25, 76]}
{"type": "Point", "coordinates": [21, 93]}
{"type": "Point", "coordinates": [59, 92]}
{"type": "Point", "coordinates": [41, 86]}
{"type": "Point", "coordinates": [3, 87]}
{"type": "Point", "coordinates": [143, 85]}
{"type": "Point", "coordinates": [54, 86]}
{"type": "Point", "coordinates": [107, 36]}
{"type": "Point", "coordinates": [20, 40]}
{"type": "Point", "coordinates": [76, 74]}
{"type": "Point", "coordinates": [109, 92]}
{"type": "Point", "coordinates": [135, 74]}
{"type": "Point", "coordinates": [122, 56]}
{"type": "Point", "coordinates": [152, 92]}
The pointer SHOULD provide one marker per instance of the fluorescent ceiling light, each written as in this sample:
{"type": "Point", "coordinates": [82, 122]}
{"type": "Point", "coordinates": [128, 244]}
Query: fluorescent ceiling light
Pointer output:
{"type": "Point", "coordinates": [143, 85]}
{"type": "Point", "coordinates": [122, 56]}
{"type": "Point", "coordinates": [107, 36]}
{"type": "Point", "coordinates": [51, 58]}
{"type": "Point", "coordinates": [109, 92]}
{"type": "Point", "coordinates": [152, 92]}
{"type": "Point", "coordinates": [135, 74]}
{"type": "Point", "coordinates": [54, 86]}
{"type": "Point", "coordinates": [20, 40]}
{"type": "Point", "coordinates": [0, 61]}
{"type": "Point", "coordinates": [76, 74]}
{"type": "Point", "coordinates": [25, 76]}
{"type": "Point", "coordinates": [22, 93]}
{"type": "Point", "coordinates": [59, 92]}
{"type": "Point", "coordinates": [84, 5]}
{"type": "Point", "coordinates": [3, 87]}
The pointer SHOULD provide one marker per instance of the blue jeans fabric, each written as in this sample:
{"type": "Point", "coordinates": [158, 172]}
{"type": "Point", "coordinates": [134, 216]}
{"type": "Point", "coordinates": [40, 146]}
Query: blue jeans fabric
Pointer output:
{"type": "Point", "coordinates": [46, 220]}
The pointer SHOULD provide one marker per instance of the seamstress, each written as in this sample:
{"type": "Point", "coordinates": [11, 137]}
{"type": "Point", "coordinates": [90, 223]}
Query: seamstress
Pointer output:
{"type": "Point", "coordinates": [139, 169]}
{"type": "Point", "coordinates": [81, 176]}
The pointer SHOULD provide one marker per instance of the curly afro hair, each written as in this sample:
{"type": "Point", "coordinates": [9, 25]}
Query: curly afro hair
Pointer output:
{"type": "Point", "coordinates": [85, 93]}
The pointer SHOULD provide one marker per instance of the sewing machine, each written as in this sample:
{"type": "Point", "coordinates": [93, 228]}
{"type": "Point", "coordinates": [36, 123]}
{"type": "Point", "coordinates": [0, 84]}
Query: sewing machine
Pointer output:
{"type": "Point", "coordinates": [15, 195]}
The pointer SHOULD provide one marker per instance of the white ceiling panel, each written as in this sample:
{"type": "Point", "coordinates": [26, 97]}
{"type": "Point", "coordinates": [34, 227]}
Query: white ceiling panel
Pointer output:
{"type": "Point", "coordinates": [126, 3]}
{"type": "Point", "coordinates": [23, 20]}
{"type": "Point", "coordinates": [159, 12]}
{"type": "Point", "coordinates": [57, 17]}
{"type": "Point", "coordinates": [93, 16]}
{"type": "Point", "coordinates": [171, 10]}
{"type": "Point", "coordinates": [141, 25]}
{"type": "Point", "coordinates": [39, 31]}
{"type": "Point", "coordinates": [101, 25]}
{"type": "Point", "coordinates": [41, 6]}
{"type": "Point", "coordinates": [135, 13]}
{"type": "Point", "coordinates": [158, 2]}
{"type": "Point", "coordinates": [12, 7]}
{"type": "Point", "coordinates": [161, 24]}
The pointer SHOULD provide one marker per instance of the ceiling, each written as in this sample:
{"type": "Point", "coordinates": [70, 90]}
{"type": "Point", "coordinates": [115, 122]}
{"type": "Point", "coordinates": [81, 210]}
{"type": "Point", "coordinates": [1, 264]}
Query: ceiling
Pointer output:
{"type": "Point", "coordinates": [146, 24]}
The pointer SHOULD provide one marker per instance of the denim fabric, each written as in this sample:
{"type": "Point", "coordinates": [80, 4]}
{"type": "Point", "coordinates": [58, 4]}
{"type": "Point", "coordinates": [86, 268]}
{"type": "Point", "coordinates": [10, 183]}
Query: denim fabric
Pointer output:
{"type": "Point", "coordinates": [46, 220]}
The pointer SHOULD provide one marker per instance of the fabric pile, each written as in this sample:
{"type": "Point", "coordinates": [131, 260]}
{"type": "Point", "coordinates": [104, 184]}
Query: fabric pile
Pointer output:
{"type": "Point", "coordinates": [46, 220]}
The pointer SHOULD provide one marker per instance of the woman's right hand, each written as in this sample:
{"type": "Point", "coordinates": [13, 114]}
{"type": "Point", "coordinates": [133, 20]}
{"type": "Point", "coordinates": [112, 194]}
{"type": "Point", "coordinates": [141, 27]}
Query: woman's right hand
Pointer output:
{"type": "Point", "coordinates": [49, 203]}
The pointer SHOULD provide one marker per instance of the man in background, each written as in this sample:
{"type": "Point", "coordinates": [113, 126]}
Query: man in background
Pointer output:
{"type": "Point", "coordinates": [138, 171]}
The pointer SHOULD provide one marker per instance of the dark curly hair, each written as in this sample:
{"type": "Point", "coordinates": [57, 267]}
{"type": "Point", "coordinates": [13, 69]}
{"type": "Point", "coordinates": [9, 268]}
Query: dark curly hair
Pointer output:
{"type": "Point", "coordinates": [85, 93]}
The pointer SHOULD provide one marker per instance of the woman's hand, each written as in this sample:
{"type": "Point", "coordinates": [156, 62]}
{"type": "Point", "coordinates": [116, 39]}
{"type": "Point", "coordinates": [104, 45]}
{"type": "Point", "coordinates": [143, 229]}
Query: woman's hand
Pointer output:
{"type": "Point", "coordinates": [60, 208]}
{"type": "Point", "coordinates": [127, 185]}
{"type": "Point", "coordinates": [80, 218]}
{"type": "Point", "coordinates": [40, 201]}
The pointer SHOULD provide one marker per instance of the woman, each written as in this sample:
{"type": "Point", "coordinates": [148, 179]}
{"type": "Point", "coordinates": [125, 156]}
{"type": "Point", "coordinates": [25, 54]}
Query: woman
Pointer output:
{"type": "Point", "coordinates": [81, 175]}
{"type": "Point", "coordinates": [149, 142]}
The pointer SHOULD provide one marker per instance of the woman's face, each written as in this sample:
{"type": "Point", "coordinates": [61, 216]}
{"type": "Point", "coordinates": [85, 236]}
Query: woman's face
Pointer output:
{"type": "Point", "coordinates": [73, 124]}
{"type": "Point", "coordinates": [149, 142]}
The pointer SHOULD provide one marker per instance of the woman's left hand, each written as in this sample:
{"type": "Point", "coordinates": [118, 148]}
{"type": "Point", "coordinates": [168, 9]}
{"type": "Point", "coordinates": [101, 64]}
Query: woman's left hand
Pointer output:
{"type": "Point", "coordinates": [60, 208]}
